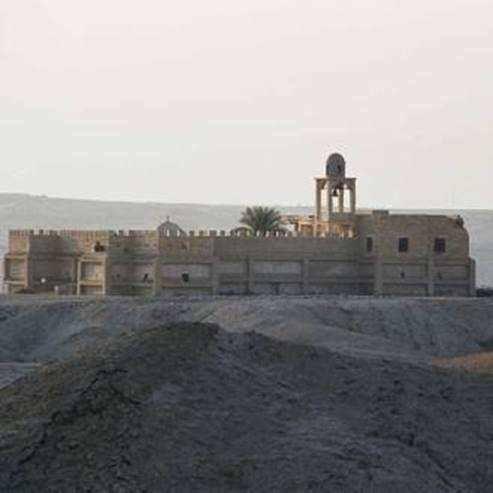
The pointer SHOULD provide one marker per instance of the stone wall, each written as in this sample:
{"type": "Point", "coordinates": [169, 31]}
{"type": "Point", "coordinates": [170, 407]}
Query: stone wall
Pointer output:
{"type": "Point", "coordinates": [212, 262]}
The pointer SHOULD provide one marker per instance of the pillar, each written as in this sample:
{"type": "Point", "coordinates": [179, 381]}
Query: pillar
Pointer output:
{"type": "Point", "coordinates": [306, 276]}
{"type": "Point", "coordinates": [157, 277]}
{"type": "Point", "coordinates": [73, 285]}
{"type": "Point", "coordinates": [330, 204]}
{"type": "Point", "coordinates": [107, 276]}
{"type": "Point", "coordinates": [353, 197]}
{"type": "Point", "coordinates": [430, 270]}
{"type": "Point", "coordinates": [251, 275]}
{"type": "Point", "coordinates": [472, 277]}
{"type": "Point", "coordinates": [28, 280]}
{"type": "Point", "coordinates": [341, 200]}
{"type": "Point", "coordinates": [79, 277]}
{"type": "Point", "coordinates": [214, 277]}
{"type": "Point", "coordinates": [318, 201]}
{"type": "Point", "coordinates": [378, 275]}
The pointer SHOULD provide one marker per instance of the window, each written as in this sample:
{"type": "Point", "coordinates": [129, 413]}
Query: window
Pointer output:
{"type": "Point", "coordinates": [369, 244]}
{"type": "Point", "coordinates": [440, 245]}
{"type": "Point", "coordinates": [403, 245]}
{"type": "Point", "coordinates": [98, 247]}
{"type": "Point", "coordinates": [185, 277]}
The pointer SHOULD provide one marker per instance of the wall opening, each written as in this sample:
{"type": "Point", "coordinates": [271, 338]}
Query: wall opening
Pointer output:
{"type": "Point", "coordinates": [98, 247]}
{"type": "Point", "coordinates": [403, 245]}
{"type": "Point", "coordinates": [440, 245]}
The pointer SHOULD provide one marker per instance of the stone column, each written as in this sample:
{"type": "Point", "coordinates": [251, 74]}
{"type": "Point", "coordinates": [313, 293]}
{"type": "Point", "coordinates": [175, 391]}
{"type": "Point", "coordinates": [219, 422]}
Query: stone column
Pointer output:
{"type": "Point", "coordinates": [318, 201]}
{"type": "Point", "coordinates": [157, 277]}
{"type": "Point", "coordinates": [306, 276]}
{"type": "Point", "coordinates": [107, 276]}
{"type": "Point", "coordinates": [251, 275]}
{"type": "Point", "coordinates": [353, 197]}
{"type": "Point", "coordinates": [341, 200]}
{"type": "Point", "coordinates": [73, 284]}
{"type": "Point", "coordinates": [28, 281]}
{"type": "Point", "coordinates": [472, 277]}
{"type": "Point", "coordinates": [214, 277]}
{"type": "Point", "coordinates": [330, 205]}
{"type": "Point", "coordinates": [79, 277]}
{"type": "Point", "coordinates": [378, 276]}
{"type": "Point", "coordinates": [430, 270]}
{"type": "Point", "coordinates": [5, 286]}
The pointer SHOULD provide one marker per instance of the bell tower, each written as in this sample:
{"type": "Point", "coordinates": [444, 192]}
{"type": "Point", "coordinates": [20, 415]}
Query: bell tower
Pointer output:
{"type": "Point", "coordinates": [338, 218]}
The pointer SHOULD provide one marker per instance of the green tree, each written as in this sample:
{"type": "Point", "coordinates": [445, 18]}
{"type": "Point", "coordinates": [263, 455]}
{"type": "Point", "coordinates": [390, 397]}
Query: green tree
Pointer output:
{"type": "Point", "coordinates": [260, 220]}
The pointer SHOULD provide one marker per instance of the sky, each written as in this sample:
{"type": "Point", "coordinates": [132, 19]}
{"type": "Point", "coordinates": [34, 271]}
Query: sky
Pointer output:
{"type": "Point", "coordinates": [229, 102]}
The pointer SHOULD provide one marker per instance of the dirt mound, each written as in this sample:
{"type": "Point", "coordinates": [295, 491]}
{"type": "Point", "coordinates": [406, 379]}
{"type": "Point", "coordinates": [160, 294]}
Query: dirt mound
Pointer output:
{"type": "Point", "coordinates": [40, 330]}
{"type": "Point", "coordinates": [191, 407]}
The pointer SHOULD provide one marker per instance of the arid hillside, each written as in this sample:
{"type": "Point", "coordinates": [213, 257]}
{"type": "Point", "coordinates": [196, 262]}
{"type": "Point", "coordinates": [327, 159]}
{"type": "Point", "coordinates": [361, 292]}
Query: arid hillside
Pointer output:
{"type": "Point", "coordinates": [246, 394]}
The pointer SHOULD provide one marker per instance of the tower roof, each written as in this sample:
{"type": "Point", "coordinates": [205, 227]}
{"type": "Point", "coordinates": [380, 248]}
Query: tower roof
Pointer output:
{"type": "Point", "coordinates": [336, 165]}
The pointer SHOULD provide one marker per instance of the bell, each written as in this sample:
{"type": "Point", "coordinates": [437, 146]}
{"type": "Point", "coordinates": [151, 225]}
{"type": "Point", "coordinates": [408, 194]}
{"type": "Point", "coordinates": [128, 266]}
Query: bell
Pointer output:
{"type": "Point", "coordinates": [335, 193]}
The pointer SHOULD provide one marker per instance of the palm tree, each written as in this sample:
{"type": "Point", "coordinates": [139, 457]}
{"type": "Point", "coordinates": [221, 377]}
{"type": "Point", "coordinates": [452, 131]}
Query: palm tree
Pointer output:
{"type": "Point", "coordinates": [262, 220]}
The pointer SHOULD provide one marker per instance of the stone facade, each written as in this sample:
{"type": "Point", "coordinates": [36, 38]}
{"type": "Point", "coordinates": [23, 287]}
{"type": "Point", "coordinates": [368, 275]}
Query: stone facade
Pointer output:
{"type": "Point", "coordinates": [336, 251]}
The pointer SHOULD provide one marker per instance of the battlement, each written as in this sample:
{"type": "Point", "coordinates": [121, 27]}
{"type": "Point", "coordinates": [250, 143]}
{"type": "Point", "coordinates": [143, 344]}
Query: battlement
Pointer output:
{"type": "Point", "coordinates": [139, 234]}
{"type": "Point", "coordinates": [21, 233]}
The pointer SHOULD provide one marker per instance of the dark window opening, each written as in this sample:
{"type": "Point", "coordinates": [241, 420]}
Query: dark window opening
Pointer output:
{"type": "Point", "coordinates": [403, 245]}
{"type": "Point", "coordinates": [98, 247]}
{"type": "Point", "coordinates": [146, 277]}
{"type": "Point", "coordinates": [185, 277]}
{"type": "Point", "coordinates": [369, 244]}
{"type": "Point", "coordinates": [403, 275]}
{"type": "Point", "coordinates": [440, 245]}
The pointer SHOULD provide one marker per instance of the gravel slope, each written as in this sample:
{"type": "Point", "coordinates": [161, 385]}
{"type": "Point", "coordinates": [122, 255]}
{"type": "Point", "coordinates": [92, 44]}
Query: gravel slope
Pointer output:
{"type": "Point", "coordinates": [246, 394]}
{"type": "Point", "coordinates": [193, 408]}
{"type": "Point", "coordinates": [37, 329]}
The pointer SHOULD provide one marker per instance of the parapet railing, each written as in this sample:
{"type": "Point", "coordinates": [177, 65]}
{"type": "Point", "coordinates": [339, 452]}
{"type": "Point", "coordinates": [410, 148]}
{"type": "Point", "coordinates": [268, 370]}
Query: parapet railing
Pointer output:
{"type": "Point", "coordinates": [202, 233]}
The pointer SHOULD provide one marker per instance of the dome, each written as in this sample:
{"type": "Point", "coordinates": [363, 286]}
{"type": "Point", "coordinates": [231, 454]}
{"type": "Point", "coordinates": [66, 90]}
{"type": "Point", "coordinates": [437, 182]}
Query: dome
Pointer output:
{"type": "Point", "coordinates": [336, 165]}
{"type": "Point", "coordinates": [169, 227]}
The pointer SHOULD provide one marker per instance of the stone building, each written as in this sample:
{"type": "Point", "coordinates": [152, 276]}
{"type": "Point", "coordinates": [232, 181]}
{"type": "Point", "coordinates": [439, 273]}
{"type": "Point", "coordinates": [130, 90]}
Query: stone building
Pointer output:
{"type": "Point", "coordinates": [337, 250]}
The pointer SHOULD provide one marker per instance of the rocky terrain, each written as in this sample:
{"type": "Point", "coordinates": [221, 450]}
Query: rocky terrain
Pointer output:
{"type": "Point", "coordinates": [286, 394]}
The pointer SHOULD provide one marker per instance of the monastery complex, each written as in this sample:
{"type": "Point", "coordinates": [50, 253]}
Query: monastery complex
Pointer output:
{"type": "Point", "coordinates": [337, 250]}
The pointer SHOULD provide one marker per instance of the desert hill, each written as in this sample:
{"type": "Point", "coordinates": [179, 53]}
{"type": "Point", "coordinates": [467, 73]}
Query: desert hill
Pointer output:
{"type": "Point", "coordinates": [245, 394]}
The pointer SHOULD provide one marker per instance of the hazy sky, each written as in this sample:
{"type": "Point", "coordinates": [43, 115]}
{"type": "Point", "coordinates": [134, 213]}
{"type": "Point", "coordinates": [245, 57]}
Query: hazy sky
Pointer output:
{"type": "Point", "coordinates": [223, 101]}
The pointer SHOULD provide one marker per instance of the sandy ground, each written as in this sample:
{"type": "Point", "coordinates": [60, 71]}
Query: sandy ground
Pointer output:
{"type": "Point", "coordinates": [246, 394]}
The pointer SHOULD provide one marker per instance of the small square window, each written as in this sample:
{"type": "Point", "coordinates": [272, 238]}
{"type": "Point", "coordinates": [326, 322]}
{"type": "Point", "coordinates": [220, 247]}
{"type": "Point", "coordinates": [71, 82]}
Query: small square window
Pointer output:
{"type": "Point", "coordinates": [440, 245]}
{"type": "Point", "coordinates": [369, 244]}
{"type": "Point", "coordinates": [403, 245]}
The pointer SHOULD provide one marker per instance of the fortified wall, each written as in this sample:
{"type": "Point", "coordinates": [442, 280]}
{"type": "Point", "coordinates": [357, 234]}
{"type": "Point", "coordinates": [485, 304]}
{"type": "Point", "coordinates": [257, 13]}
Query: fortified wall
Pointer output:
{"type": "Point", "coordinates": [335, 251]}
